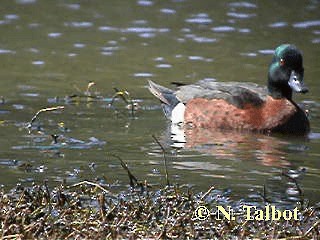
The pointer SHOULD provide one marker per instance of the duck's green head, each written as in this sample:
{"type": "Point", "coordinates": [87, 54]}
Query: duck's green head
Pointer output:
{"type": "Point", "coordinates": [286, 72]}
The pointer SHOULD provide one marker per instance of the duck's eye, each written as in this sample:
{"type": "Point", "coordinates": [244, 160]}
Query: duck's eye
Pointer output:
{"type": "Point", "coordinates": [282, 62]}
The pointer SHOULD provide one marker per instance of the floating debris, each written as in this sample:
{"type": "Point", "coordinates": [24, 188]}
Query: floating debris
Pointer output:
{"type": "Point", "coordinates": [34, 118]}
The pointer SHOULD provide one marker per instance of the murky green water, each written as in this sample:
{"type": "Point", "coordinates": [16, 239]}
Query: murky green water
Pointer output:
{"type": "Point", "coordinates": [52, 49]}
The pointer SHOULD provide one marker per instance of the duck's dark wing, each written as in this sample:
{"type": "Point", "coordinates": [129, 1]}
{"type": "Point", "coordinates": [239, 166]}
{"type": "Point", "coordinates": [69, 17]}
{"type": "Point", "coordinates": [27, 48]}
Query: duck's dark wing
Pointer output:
{"type": "Point", "coordinates": [165, 95]}
{"type": "Point", "coordinates": [236, 93]}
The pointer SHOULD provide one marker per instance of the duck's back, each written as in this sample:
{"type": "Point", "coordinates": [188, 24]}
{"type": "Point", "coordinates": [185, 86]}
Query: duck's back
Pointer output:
{"type": "Point", "coordinates": [236, 93]}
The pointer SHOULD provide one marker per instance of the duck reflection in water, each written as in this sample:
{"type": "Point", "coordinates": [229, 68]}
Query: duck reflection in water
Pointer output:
{"type": "Point", "coordinates": [232, 145]}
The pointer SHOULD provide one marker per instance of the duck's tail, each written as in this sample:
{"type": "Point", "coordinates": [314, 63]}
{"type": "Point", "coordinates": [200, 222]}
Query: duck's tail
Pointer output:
{"type": "Point", "coordinates": [166, 96]}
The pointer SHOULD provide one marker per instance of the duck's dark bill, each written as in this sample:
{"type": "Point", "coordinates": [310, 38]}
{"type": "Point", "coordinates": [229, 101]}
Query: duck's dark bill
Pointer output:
{"type": "Point", "coordinates": [296, 83]}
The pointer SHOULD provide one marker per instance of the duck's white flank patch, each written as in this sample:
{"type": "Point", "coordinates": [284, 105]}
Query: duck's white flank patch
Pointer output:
{"type": "Point", "coordinates": [177, 115]}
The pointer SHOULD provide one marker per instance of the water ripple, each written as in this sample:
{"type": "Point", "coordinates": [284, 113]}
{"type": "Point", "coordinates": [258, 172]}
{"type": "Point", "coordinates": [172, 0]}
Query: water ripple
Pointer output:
{"type": "Point", "coordinates": [34, 25]}
{"type": "Point", "coordinates": [4, 112]}
{"type": "Point", "coordinates": [316, 40]}
{"type": "Point", "coordinates": [143, 74]}
{"type": "Point", "coordinates": [314, 135]}
{"type": "Point", "coordinates": [79, 45]}
{"type": "Point", "coordinates": [18, 106]}
{"type": "Point", "coordinates": [38, 62]}
{"type": "Point", "coordinates": [249, 54]}
{"type": "Point", "coordinates": [241, 15]}
{"type": "Point", "coordinates": [307, 24]}
{"type": "Point", "coordinates": [30, 94]}
{"type": "Point", "coordinates": [200, 39]}
{"type": "Point", "coordinates": [54, 35]}
{"type": "Point", "coordinates": [72, 54]}
{"type": "Point", "coordinates": [145, 3]}
{"type": "Point", "coordinates": [145, 32]}
{"type": "Point", "coordinates": [243, 5]}
{"type": "Point", "coordinates": [69, 143]}
{"type": "Point", "coordinates": [107, 28]}
{"type": "Point", "coordinates": [163, 65]}
{"type": "Point", "coordinates": [200, 18]}
{"type": "Point", "coordinates": [11, 17]}
{"type": "Point", "coordinates": [26, 1]}
{"type": "Point", "coordinates": [6, 51]}
{"type": "Point", "coordinates": [244, 30]}
{"type": "Point", "coordinates": [266, 51]}
{"type": "Point", "coordinates": [110, 48]}
{"type": "Point", "coordinates": [33, 50]}
{"type": "Point", "coordinates": [199, 58]}
{"type": "Point", "coordinates": [78, 24]}
{"type": "Point", "coordinates": [168, 11]}
{"type": "Point", "coordinates": [140, 22]}
{"type": "Point", "coordinates": [223, 29]}
{"type": "Point", "coordinates": [158, 59]}
{"type": "Point", "coordinates": [73, 6]}
{"type": "Point", "coordinates": [278, 24]}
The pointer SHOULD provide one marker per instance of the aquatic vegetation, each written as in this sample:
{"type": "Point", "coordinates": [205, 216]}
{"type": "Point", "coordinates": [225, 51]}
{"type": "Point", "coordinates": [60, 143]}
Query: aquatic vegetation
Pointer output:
{"type": "Point", "coordinates": [88, 210]}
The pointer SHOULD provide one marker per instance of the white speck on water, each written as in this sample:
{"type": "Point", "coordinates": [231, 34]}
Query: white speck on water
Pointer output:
{"type": "Point", "coordinates": [316, 40]}
{"type": "Point", "coordinates": [72, 54]}
{"type": "Point", "coordinates": [200, 39]}
{"type": "Point", "coordinates": [140, 22]}
{"type": "Point", "coordinates": [38, 62]}
{"type": "Point", "coordinates": [11, 17]}
{"type": "Point", "coordinates": [26, 1]}
{"type": "Point", "coordinates": [196, 58]}
{"type": "Point", "coordinates": [79, 45]}
{"type": "Point", "coordinates": [249, 54]}
{"type": "Point", "coordinates": [163, 65]}
{"type": "Point", "coordinates": [200, 18]}
{"type": "Point", "coordinates": [112, 42]}
{"type": "Point", "coordinates": [30, 94]}
{"type": "Point", "coordinates": [244, 30]}
{"type": "Point", "coordinates": [106, 53]}
{"type": "Point", "coordinates": [78, 24]}
{"type": "Point", "coordinates": [158, 59]}
{"type": "Point", "coordinates": [33, 50]}
{"type": "Point", "coordinates": [223, 29]}
{"type": "Point", "coordinates": [73, 6]}
{"type": "Point", "coordinates": [107, 28]}
{"type": "Point", "coordinates": [266, 51]}
{"type": "Point", "coordinates": [110, 48]}
{"type": "Point", "coordinates": [278, 24]}
{"type": "Point", "coordinates": [168, 11]}
{"type": "Point", "coordinates": [6, 51]}
{"type": "Point", "coordinates": [241, 15]}
{"type": "Point", "coordinates": [145, 3]}
{"type": "Point", "coordinates": [185, 30]}
{"type": "Point", "coordinates": [54, 35]}
{"type": "Point", "coordinates": [307, 24]}
{"type": "Point", "coordinates": [34, 25]}
{"type": "Point", "coordinates": [242, 5]}
{"type": "Point", "coordinates": [18, 106]}
{"type": "Point", "coordinates": [143, 74]}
